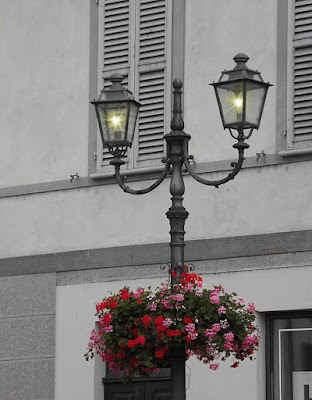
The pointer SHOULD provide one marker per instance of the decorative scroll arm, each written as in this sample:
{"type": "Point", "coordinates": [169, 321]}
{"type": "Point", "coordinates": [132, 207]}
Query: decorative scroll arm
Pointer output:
{"type": "Point", "coordinates": [240, 146]}
{"type": "Point", "coordinates": [117, 162]}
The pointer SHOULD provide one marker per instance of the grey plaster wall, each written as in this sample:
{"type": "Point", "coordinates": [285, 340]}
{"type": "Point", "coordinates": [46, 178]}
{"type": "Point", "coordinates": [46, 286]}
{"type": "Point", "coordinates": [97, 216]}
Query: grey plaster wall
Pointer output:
{"type": "Point", "coordinates": [27, 332]}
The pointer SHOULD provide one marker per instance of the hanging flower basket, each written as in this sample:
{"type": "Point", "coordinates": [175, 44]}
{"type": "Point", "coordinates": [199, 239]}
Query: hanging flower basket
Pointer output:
{"type": "Point", "coordinates": [137, 330]}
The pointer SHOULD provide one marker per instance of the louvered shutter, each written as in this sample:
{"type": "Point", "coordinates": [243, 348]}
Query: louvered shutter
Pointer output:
{"type": "Point", "coordinates": [302, 61]}
{"type": "Point", "coordinates": [116, 35]}
{"type": "Point", "coordinates": [152, 61]}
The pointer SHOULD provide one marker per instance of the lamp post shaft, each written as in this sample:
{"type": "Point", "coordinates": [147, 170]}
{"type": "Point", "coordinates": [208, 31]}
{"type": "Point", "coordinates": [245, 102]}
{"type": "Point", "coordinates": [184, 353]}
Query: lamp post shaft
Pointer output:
{"type": "Point", "coordinates": [177, 215]}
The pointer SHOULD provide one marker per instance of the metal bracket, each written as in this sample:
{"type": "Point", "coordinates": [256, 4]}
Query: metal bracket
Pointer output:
{"type": "Point", "coordinates": [73, 176]}
{"type": "Point", "coordinates": [262, 153]}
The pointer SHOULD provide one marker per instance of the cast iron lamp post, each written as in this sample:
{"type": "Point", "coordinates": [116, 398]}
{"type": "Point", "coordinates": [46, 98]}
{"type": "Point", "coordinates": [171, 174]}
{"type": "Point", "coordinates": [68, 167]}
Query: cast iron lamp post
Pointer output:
{"type": "Point", "coordinates": [241, 93]}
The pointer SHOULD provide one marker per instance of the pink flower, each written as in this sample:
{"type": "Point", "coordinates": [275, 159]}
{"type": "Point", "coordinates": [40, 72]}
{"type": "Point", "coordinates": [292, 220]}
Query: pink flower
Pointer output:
{"type": "Point", "coordinates": [222, 310]}
{"type": "Point", "coordinates": [241, 300]}
{"type": "Point", "coordinates": [178, 297]}
{"type": "Point", "coordinates": [214, 299]}
{"type": "Point", "coordinates": [108, 328]}
{"type": "Point", "coordinates": [153, 306]}
{"type": "Point", "coordinates": [251, 308]}
{"type": "Point", "coordinates": [214, 366]}
{"type": "Point", "coordinates": [210, 333]}
{"type": "Point", "coordinates": [138, 292]}
{"type": "Point", "coordinates": [189, 327]}
{"type": "Point", "coordinates": [216, 327]}
{"type": "Point", "coordinates": [214, 296]}
{"type": "Point", "coordinates": [166, 304]}
{"type": "Point", "coordinates": [192, 335]}
{"type": "Point", "coordinates": [188, 287]}
{"type": "Point", "coordinates": [229, 337]}
{"type": "Point", "coordinates": [167, 322]}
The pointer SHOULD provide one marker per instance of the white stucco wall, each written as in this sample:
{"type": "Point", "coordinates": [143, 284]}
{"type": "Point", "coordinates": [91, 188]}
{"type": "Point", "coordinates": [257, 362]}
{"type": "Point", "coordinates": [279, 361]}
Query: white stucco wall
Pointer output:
{"type": "Point", "coordinates": [44, 80]}
{"type": "Point", "coordinates": [276, 289]}
{"type": "Point", "coordinates": [260, 200]}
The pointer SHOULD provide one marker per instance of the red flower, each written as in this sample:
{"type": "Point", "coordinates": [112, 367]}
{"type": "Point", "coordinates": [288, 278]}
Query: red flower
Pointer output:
{"type": "Point", "coordinates": [187, 320]}
{"type": "Point", "coordinates": [140, 340]}
{"type": "Point", "coordinates": [172, 332]}
{"type": "Point", "coordinates": [135, 331]}
{"type": "Point", "coordinates": [107, 319]}
{"type": "Point", "coordinates": [146, 321]}
{"type": "Point", "coordinates": [125, 295]}
{"type": "Point", "coordinates": [235, 365]}
{"type": "Point", "coordinates": [139, 301]}
{"type": "Point", "coordinates": [160, 335]}
{"type": "Point", "coordinates": [121, 355]}
{"type": "Point", "coordinates": [101, 306]}
{"type": "Point", "coordinates": [160, 353]}
{"type": "Point", "coordinates": [190, 277]}
{"type": "Point", "coordinates": [131, 343]}
{"type": "Point", "coordinates": [174, 274]}
{"type": "Point", "coordinates": [159, 320]}
{"type": "Point", "coordinates": [161, 328]}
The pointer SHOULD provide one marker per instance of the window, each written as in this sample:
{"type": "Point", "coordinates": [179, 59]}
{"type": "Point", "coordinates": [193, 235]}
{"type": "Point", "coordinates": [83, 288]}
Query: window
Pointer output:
{"type": "Point", "coordinates": [136, 43]}
{"type": "Point", "coordinates": [295, 40]}
{"type": "Point", "coordinates": [289, 356]}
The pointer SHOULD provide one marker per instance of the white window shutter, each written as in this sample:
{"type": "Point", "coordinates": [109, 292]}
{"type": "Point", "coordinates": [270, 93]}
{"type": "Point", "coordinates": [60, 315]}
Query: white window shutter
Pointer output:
{"type": "Point", "coordinates": [302, 70]}
{"type": "Point", "coordinates": [116, 34]}
{"type": "Point", "coordinates": [116, 55]}
{"type": "Point", "coordinates": [152, 33]}
{"type": "Point", "coordinates": [151, 119]}
{"type": "Point", "coordinates": [153, 63]}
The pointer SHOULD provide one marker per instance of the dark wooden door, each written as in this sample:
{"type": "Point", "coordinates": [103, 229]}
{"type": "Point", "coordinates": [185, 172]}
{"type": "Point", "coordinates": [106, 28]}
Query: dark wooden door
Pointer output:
{"type": "Point", "coordinates": [139, 390]}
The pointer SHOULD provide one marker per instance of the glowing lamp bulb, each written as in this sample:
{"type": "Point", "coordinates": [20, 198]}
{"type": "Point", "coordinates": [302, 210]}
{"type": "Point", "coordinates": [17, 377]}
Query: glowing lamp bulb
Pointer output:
{"type": "Point", "coordinates": [115, 120]}
{"type": "Point", "coordinates": [238, 102]}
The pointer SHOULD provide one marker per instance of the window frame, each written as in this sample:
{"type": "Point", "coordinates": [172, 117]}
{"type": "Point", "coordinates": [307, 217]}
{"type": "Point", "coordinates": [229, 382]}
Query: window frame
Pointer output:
{"type": "Point", "coordinates": [132, 164]}
{"type": "Point", "coordinates": [269, 360]}
{"type": "Point", "coordinates": [287, 144]}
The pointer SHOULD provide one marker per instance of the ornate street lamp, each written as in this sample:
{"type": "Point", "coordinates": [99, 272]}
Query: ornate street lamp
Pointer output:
{"type": "Point", "coordinates": [116, 112]}
{"type": "Point", "coordinates": [241, 100]}
{"type": "Point", "coordinates": [241, 97]}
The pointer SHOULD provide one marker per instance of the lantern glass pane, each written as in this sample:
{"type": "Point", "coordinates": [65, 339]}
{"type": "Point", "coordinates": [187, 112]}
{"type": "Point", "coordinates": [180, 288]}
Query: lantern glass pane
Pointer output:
{"type": "Point", "coordinates": [231, 101]}
{"type": "Point", "coordinates": [133, 114]}
{"type": "Point", "coordinates": [255, 94]}
{"type": "Point", "coordinates": [113, 120]}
